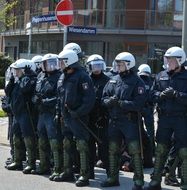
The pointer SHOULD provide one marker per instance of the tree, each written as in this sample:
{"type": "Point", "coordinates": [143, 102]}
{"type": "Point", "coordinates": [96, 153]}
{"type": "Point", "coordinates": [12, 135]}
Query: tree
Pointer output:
{"type": "Point", "coordinates": [7, 19]}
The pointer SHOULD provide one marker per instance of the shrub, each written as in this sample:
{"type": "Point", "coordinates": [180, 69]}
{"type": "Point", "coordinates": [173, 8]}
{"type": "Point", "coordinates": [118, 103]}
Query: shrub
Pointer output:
{"type": "Point", "coordinates": [4, 63]}
{"type": "Point", "coordinates": [2, 113]}
{"type": "Point", "coordinates": [2, 82]}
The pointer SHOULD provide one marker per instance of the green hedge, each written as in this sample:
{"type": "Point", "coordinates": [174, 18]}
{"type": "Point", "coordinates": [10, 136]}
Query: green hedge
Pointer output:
{"type": "Point", "coordinates": [4, 64]}
{"type": "Point", "coordinates": [2, 82]}
{"type": "Point", "coordinates": [2, 113]}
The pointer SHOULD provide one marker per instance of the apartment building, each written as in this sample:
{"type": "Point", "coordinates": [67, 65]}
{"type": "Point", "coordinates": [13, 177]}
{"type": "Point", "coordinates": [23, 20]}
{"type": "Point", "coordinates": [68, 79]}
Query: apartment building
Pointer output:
{"type": "Point", "coordinates": [105, 27]}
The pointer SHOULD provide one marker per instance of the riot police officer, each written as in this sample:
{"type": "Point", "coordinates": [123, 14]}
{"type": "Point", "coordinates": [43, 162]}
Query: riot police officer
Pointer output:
{"type": "Point", "coordinates": [77, 49]}
{"type": "Point", "coordinates": [48, 131]}
{"type": "Point", "coordinates": [98, 121]}
{"type": "Point", "coordinates": [144, 71]}
{"type": "Point", "coordinates": [37, 59]}
{"type": "Point", "coordinates": [21, 92]}
{"type": "Point", "coordinates": [124, 96]}
{"type": "Point", "coordinates": [77, 98]}
{"type": "Point", "coordinates": [170, 92]}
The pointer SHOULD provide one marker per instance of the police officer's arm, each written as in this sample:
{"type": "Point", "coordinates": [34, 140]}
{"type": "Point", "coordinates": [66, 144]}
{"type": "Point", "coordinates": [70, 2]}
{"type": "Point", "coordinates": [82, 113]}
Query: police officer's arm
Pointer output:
{"type": "Point", "coordinates": [50, 97]}
{"type": "Point", "coordinates": [107, 94]}
{"type": "Point", "coordinates": [138, 99]}
{"type": "Point", "coordinates": [155, 91]}
{"type": "Point", "coordinates": [27, 84]}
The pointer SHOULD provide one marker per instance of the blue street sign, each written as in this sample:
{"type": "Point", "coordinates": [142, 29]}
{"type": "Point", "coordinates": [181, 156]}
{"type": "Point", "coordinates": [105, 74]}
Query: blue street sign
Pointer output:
{"type": "Point", "coordinates": [82, 30]}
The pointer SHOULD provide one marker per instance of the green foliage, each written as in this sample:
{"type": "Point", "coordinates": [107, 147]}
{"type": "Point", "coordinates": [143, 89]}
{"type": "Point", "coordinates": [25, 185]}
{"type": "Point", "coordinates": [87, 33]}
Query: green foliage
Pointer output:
{"type": "Point", "coordinates": [2, 113]}
{"type": "Point", "coordinates": [2, 82]}
{"type": "Point", "coordinates": [5, 14]}
{"type": "Point", "coordinates": [4, 63]}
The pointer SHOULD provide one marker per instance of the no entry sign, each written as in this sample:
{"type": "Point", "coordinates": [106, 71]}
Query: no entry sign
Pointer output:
{"type": "Point", "coordinates": [64, 12]}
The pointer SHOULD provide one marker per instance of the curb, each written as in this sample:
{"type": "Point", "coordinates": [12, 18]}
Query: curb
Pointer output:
{"type": "Point", "coordinates": [3, 144]}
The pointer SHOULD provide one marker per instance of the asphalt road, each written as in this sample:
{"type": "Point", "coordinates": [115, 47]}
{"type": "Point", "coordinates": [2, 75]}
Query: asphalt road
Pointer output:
{"type": "Point", "coordinates": [16, 180]}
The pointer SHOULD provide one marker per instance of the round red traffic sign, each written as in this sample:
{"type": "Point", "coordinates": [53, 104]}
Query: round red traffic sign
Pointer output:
{"type": "Point", "coordinates": [64, 12]}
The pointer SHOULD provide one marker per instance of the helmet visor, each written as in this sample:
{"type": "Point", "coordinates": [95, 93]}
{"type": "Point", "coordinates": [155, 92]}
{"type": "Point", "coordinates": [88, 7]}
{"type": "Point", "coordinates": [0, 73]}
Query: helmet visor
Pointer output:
{"type": "Point", "coordinates": [121, 66]}
{"type": "Point", "coordinates": [50, 65]}
{"type": "Point", "coordinates": [96, 66]}
{"type": "Point", "coordinates": [171, 63]}
{"type": "Point", "coordinates": [62, 63]}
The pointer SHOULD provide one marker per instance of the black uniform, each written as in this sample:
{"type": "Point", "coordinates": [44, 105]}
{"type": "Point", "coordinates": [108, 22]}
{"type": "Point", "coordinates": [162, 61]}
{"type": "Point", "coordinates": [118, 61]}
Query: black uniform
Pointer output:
{"type": "Point", "coordinates": [170, 94]}
{"type": "Point", "coordinates": [77, 98]}
{"type": "Point", "coordinates": [124, 96]}
{"type": "Point", "coordinates": [48, 132]}
{"type": "Point", "coordinates": [21, 105]}
{"type": "Point", "coordinates": [98, 123]}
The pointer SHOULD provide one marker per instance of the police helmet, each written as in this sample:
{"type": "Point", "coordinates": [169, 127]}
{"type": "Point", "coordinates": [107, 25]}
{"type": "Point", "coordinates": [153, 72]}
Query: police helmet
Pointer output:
{"type": "Point", "coordinates": [177, 53]}
{"type": "Point", "coordinates": [127, 58]}
{"type": "Point", "coordinates": [37, 59]}
{"type": "Point", "coordinates": [67, 58]}
{"type": "Point", "coordinates": [96, 62]}
{"type": "Point", "coordinates": [75, 47]}
{"type": "Point", "coordinates": [50, 62]}
{"type": "Point", "coordinates": [23, 63]}
{"type": "Point", "coordinates": [144, 69]}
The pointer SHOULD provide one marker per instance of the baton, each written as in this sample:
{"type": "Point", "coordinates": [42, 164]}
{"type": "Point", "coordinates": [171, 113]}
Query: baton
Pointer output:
{"type": "Point", "coordinates": [140, 135]}
{"type": "Point", "coordinates": [88, 129]}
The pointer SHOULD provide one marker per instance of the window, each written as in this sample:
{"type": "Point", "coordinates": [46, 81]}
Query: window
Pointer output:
{"type": "Point", "coordinates": [165, 5]}
{"type": "Point", "coordinates": [179, 5]}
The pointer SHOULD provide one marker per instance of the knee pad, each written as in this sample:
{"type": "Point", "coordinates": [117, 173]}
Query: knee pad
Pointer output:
{"type": "Point", "coordinates": [42, 143]}
{"type": "Point", "coordinates": [82, 146]}
{"type": "Point", "coordinates": [183, 153]}
{"type": "Point", "coordinates": [67, 143]}
{"type": "Point", "coordinates": [134, 147]}
{"type": "Point", "coordinates": [114, 147]}
{"type": "Point", "coordinates": [17, 141]}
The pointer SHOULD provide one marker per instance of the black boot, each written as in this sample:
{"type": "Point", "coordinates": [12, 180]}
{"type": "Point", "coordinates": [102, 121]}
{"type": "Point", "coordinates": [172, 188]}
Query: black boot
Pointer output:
{"type": "Point", "coordinates": [171, 180]}
{"type": "Point", "coordinates": [57, 160]}
{"type": "Point", "coordinates": [44, 166]}
{"type": "Point", "coordinates": [30, 147]}
{"type": "Point", "coordinates": [67, 175]}
{"type": "Point", "coordinates": [15, 166]}
{"type": "Point", "coordinates": [137, 187]}
{"type": "Point", "coordinates": [17, 163]}
{"type": "Point", "coordinates": [113, 170]}
{"type": "Point", "coordinates": [155, 187]}
{"type": "Point", "coordinates": [183, 157]}
{"type": "Point", "coordinates": [134, 151]}
{"type": "Point", "coordinates": [160, 158]}
{"type": "Point", "coordinates": [83, 180]}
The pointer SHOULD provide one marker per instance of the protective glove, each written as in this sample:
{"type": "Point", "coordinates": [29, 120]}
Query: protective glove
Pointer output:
{"type": "Point", "coordinates": [170, 93]}
{"type": "Point", "coordinates": [12, 79]}
{"type": "Point", "coordinates": [163, 95]}
{"type": "Point", "coordinates": [36, 99]}
{"type": "Point", "coordinates": [27, 70]}
{"type": "Point", "coordinates": [73, 114]}
{"type": "Point", "coordinates": [112, 101]}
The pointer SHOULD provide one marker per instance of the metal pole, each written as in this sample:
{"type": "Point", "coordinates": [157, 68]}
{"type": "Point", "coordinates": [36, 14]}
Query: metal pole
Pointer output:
{"type": "Point", "coordinates": [65, 35]}
{"type": "Point", "coordinates": [30, 39]}
{"type": "Point", "coordinates": [184, 28]}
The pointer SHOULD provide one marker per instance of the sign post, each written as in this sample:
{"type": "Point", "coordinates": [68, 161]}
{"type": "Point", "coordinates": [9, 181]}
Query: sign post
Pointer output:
{"type": "Point", "coordinates": [64, 15]}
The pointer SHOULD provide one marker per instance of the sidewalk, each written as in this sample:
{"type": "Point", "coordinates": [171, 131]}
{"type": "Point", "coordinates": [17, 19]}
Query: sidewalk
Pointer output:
{"type": "Point", "coordinates": [3, 126]}
{"type": "Point", "coordinates": [2, 93]}
{"type": "Point", "coordinates": [4, 131]}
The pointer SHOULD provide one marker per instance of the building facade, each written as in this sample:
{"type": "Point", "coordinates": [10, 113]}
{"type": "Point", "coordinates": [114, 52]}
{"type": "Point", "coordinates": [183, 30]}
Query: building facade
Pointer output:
{"type": "Point", "coordinates": [140, 27]}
